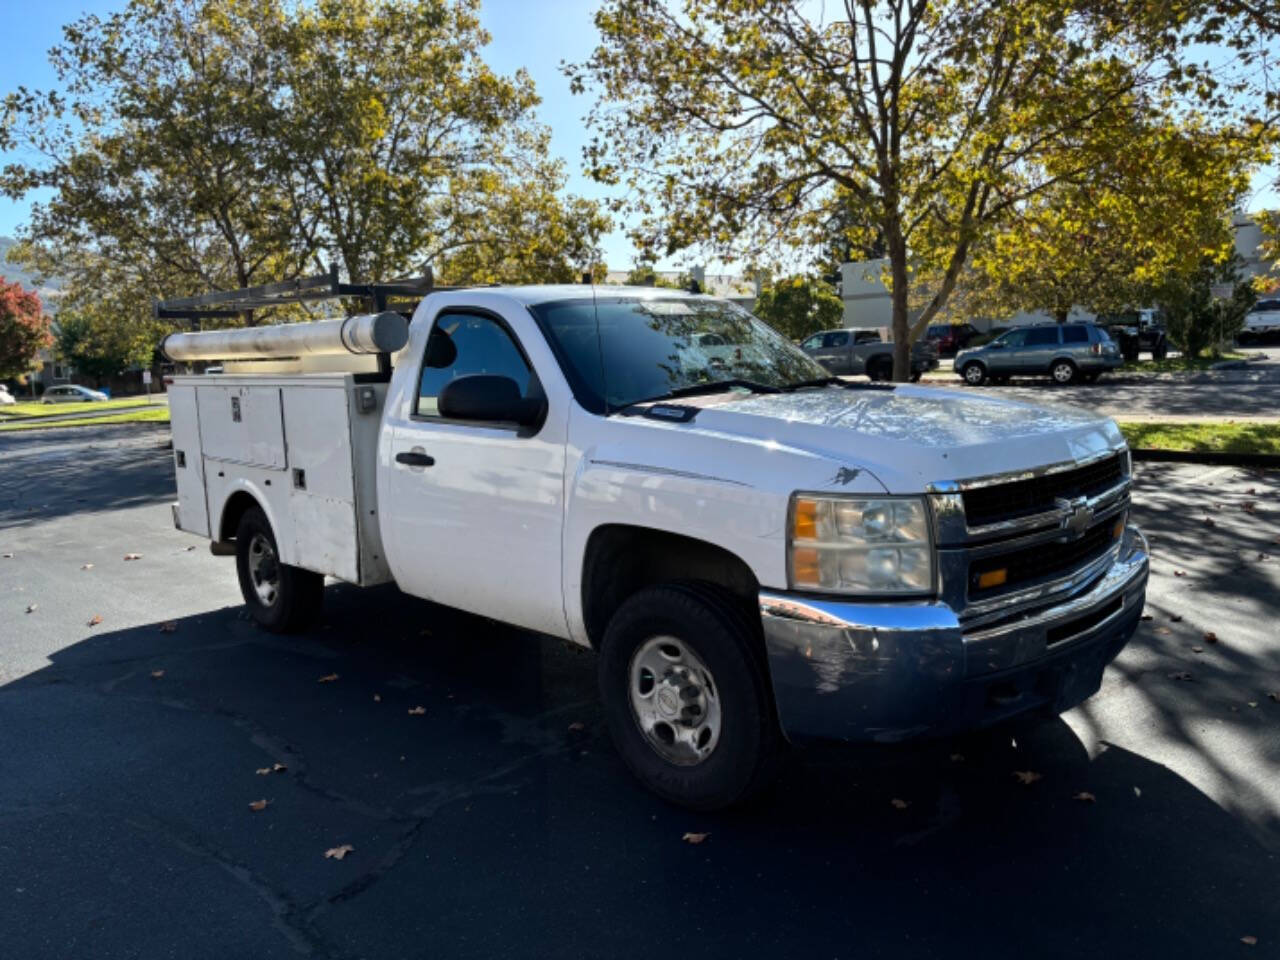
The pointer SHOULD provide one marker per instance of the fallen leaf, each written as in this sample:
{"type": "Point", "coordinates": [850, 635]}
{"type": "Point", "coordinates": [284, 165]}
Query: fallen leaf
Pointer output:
{"type": "Point", "coordinates": [87, 566]}
{"type": "Point", "coordinates": [1210, 637]}
{"type": "Point", "coordinates": [259, 805]}
{"type": "Point", "coordinates": [8, 556]}
{"type": "Point", "coordinates": [1249, 507]}
{"type": "Point", "coordinates": [133, 556]}
{"type": "Point", "coordinates": [31, 608]}
{"type": "Point", "coordinates": [1251, 491]}
{"type": "Point", "coordinates": [328, 678]}
{"type": "Point", "coordinates": [957, 758]}
{"type": "Point", "coordinates": [377, 698]}
{"type": "Point", "coordinates": [1209, 522]}
{"type": "Point", "coordinates": [157, 674]}
{"type": "Point", "coordinates": [1179, 573]}
{"type": "Point", "coordinates": [1027, 777]}
{"type": "Point", "coordinates": [337, 853]}
{"type": "Point", "coordinates": [900, 804]}
{"type": "Point", "coordinates": [1249, 941]}
{"type": "Point", "coordinates": [1147, 616]}
{"type": "Point", "coordinates": [575, 727]}
{"type": "Point", "coordinates": [169, 626]}
{"type": "Point", "coordinates": [262, 771]}
{"type": "Point", "coordinates": [1264, 557]}
{"type": "Point", "coordinates": [1176, 618]}
{"type": "Point", "coordinates": [94, 621]}
{"type": "Point", "coordinates": [417, 711]}
{"type": "Point", "coordinates": [1085, 797]}
{"type": "Point", "coordinates": [1197, 649]}
{"type": "Point", "coordinates": [1163, 631]}
{"type": "Point", "coordinates": [190, 548]}
{"type": "Point", "coordinates": [1180, 675]}
{"type": "Point", "coordinates": [1253, 703]}
{"type": "Point", "coordinates": [695, 838]}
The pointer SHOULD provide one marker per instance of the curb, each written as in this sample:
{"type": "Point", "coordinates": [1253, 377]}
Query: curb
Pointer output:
{"type": "Point", "coordinates": [1267, 461]}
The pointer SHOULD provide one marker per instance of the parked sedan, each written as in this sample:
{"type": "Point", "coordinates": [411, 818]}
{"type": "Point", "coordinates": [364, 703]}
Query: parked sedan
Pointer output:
{"type": "Point", "coordinates": [70, 393]}
{"type": "Point", "coordinates": [1066, 352]}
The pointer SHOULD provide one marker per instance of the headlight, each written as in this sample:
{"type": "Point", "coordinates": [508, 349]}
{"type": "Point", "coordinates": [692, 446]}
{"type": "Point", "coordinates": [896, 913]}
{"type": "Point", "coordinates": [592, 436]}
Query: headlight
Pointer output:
{"type": "Point", "coordinates": [871, 545]}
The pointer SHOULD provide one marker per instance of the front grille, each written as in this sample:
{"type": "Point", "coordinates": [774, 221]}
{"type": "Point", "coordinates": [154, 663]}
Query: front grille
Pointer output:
{"type": "Point", "coordinates": [1044, 559]}
{"type": "Point", "coordinates": [1022, 498]}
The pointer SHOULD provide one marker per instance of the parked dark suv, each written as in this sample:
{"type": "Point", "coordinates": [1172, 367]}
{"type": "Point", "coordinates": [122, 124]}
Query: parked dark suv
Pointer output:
{"type": "Point", "coordinates": [951, 337]}
{"type": "Point", "coordinates": [1066, 352]}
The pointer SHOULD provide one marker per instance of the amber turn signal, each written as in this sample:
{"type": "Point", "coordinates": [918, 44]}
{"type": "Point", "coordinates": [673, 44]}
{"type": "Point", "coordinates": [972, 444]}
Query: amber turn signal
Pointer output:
{"type": "Point", "coordinates": [992, 578]}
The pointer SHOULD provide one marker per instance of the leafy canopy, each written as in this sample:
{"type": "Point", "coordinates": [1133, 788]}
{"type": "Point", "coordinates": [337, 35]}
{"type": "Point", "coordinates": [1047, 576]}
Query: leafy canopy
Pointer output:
{"type": "Point", "coordinates": [24, 330]}
{"type": "Point", "coordinates": [798, 306]}
{"type": "Point", "coordinates": [924, 126]}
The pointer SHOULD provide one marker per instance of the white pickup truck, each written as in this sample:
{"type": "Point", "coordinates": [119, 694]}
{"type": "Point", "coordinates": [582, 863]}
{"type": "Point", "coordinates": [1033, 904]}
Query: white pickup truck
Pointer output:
{"type": "Point", "coordinates": [760, 553]}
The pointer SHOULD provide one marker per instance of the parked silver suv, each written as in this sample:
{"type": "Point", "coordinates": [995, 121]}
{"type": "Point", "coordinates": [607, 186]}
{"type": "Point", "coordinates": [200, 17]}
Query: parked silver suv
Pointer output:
{"type": "Point", "coordinates": [1066, 352]}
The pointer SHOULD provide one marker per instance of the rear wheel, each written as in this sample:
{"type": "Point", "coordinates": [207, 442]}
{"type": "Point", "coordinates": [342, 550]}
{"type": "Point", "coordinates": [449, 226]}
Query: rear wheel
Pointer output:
{"type": "Point", "coordinates": [279, 597]}
{"type": "Point", "coordinates": [974, 373]}
{"type": "Point", "coordinates": [881, 368]}
{"type": "Point", "coordinates": [1062, 371]}
{"type": "Point", "coordinates": [1160, 352]}
{"type": "Point", "coordinates": [687, 698]}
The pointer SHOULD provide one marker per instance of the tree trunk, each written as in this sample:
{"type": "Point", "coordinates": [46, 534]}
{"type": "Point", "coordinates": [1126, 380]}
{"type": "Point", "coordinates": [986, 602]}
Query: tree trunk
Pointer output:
{"type": "Point", "coordinates": [1060, 314]}
{"type": "Point", "coordinates": [898, 298]}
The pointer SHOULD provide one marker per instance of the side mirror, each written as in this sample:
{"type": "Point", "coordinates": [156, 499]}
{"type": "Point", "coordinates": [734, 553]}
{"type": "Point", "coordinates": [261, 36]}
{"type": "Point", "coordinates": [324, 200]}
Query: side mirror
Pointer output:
{"type": "Point", "coordinates": [490, 399]}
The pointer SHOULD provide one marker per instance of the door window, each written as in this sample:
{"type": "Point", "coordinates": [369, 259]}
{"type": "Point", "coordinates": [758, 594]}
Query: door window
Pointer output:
{"type": "Point", "coordinates": [464, 344]}
{"type": "Point", "coordinates": [1042, 337]}
{"type": "Point", "coordinates": [813, 343]}
{"type": "Point", "coordinates": [1014, 338]}
{"type": "Point", "coordinates": [866, 336]}
{"type": "Point", "coordinates": [838, 339]}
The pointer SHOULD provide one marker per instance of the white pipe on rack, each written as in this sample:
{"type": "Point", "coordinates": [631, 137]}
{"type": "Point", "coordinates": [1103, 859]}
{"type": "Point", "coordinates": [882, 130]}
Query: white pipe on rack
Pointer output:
{"type": "Point", "coordinates": [384, 332]}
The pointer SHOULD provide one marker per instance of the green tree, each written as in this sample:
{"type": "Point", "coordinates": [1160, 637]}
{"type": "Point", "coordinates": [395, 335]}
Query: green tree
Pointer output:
{"type": "Point", "coordinates": [24, 330]}
{"type": "Point", "coordinates": [1196, 318]}
{"type": "Point", "coordinates": [217, 143]}
{"type": "Point", "coordinates": [798, 306]}
{"type": "Point", "coordinates": [1108, 240]}
{"type": "Point", "coordinates": [739, 124]}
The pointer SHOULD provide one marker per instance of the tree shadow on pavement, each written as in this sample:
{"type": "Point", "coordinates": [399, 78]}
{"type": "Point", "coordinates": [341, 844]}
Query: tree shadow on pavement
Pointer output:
{"type": "Point", "coordinates": [467, 765]}
{"type": "Point", "coordinates": [40, 478]}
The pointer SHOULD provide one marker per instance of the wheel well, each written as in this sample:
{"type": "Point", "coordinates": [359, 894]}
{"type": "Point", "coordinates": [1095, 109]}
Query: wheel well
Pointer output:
{"type": "Point", "coordinates": [621, 559]}
{"type": "Point", "coordinates": [1057, 360]}
{"type": "Point", "coordinates": [236, 507]}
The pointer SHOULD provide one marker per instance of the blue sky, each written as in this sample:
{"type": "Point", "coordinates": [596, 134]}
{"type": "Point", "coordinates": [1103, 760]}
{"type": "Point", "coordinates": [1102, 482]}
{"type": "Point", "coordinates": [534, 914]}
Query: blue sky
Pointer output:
{"type": "Point", "coordinates": [534, 34]}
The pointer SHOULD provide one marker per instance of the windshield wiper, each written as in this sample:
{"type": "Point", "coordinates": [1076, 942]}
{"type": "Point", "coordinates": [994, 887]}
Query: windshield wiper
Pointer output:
{"type": "Point", "coordinates": [702, 389]}
{"type": "Point", "coordinates": [819, 382]}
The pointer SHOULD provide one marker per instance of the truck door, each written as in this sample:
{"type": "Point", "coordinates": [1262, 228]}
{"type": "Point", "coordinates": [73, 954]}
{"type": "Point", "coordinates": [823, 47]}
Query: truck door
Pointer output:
{"type": "Point", "coordinates": [478, 506]}
{"type": "Point", "coordinates": [834, 352]}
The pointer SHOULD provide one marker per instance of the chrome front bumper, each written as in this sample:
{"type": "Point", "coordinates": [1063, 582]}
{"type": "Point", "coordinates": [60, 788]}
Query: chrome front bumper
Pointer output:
{"type": "Point", "coordinates": [890, 671]}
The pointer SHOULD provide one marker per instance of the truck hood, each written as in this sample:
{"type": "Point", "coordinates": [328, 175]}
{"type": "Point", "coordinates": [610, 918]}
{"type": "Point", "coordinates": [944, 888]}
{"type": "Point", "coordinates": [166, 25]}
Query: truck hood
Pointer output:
{"type": "Point", "coordinates": [910, 437]}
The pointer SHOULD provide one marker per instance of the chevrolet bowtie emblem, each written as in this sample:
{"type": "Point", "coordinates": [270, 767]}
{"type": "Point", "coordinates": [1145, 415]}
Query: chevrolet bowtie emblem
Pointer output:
{"type": "Point", "coordinates": [1077, 516]}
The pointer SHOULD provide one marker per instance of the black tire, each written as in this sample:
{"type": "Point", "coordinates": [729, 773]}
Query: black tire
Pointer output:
{"type": "Point", "coordinates": [974, 373]}
{"type": "Point", "coordinates": [1063, 371]}
{"type": "Point", "coordinates": [297, 595]}
{"type": "Point", "coordinates": [719, 631]}
{"type": "Point", "coordinates": [1160, 352]}
{"type": "Point", "coordinates": [916, 375]}
{"type": "Point", "coordinates": [880, 369]}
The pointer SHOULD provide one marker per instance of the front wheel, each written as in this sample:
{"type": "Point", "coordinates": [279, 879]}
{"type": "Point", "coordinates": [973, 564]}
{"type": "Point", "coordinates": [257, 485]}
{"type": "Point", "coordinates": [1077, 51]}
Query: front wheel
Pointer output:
{"type": "Point", "coordinates": [281, 598]}
{"type": "Point", "coordinates": [687, 698]}
{"type": "Point", "coordinates": [1063, 372]}
{"type": "Point", "coordinates": [974, 373]}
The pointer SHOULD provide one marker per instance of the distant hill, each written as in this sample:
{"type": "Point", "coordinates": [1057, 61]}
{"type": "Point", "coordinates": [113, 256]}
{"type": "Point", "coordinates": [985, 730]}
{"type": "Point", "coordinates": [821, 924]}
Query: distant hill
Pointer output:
{"type": "Point", "coordinates": [15, 274]}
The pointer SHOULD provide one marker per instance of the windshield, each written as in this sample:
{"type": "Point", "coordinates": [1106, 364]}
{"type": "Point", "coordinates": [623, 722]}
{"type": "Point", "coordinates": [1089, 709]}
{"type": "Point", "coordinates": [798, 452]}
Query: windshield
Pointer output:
{"type": "Point", "coordinates": [646, 349]}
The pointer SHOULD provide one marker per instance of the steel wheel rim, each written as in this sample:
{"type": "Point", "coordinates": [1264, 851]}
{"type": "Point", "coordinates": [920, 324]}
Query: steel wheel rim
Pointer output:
{"type": "Point", "coordinates": [264, 569]}
{"type": "Point", "coordinates": [1062, 373]}
{"type": "Point", "coordinates": [675, 701]}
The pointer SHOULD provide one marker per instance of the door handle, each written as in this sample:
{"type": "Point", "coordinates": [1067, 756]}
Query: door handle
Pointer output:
{"type": "Point", "coordinates": [414, 458]}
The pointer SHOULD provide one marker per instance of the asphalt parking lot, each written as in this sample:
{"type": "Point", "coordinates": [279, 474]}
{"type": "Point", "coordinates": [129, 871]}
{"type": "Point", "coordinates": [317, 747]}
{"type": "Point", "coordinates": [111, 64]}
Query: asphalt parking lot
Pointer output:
{"type": "Point", "coordinates": [497, 821]}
